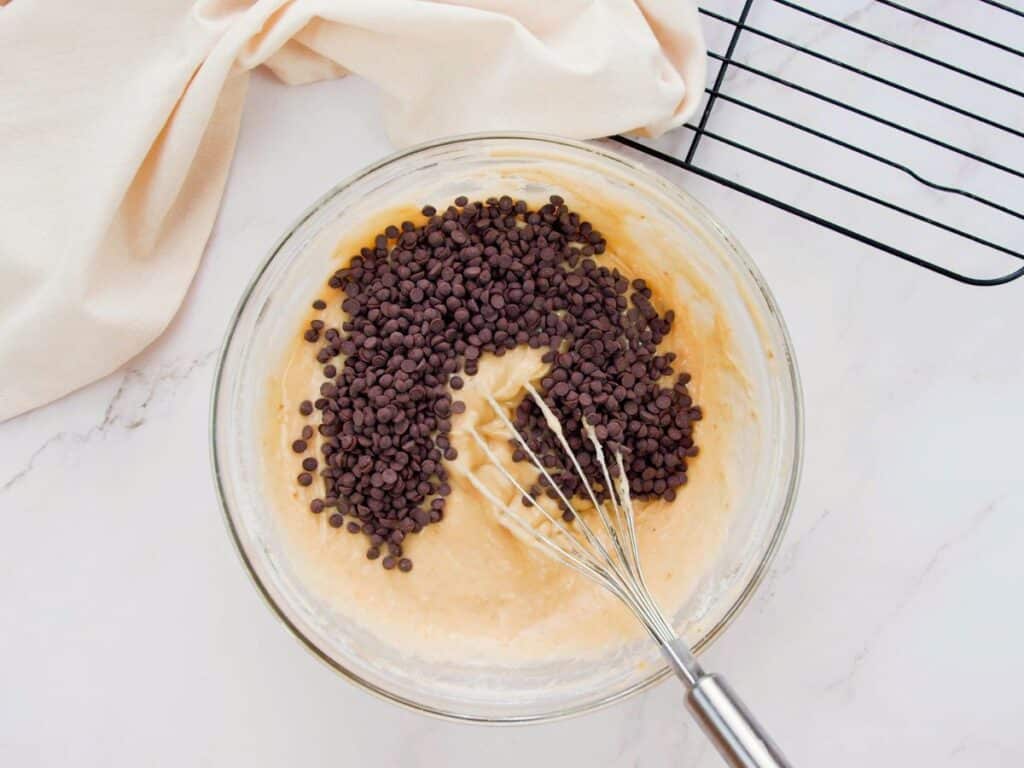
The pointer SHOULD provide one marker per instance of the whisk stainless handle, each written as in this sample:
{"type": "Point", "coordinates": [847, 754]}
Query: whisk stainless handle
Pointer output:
{"type": "Point", "coordinates": [727, 723]}
{"type": "Point", "coordinates": [730, 726]}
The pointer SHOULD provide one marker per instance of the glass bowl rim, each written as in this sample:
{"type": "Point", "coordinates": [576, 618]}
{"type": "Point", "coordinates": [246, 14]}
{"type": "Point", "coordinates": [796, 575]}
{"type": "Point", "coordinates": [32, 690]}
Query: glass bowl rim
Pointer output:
{"type": "Point", "coordinates": [734, 250]}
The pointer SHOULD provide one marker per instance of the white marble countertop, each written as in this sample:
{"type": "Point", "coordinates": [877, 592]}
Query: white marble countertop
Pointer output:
{"type": "Point", "coordinates": [885, 633]}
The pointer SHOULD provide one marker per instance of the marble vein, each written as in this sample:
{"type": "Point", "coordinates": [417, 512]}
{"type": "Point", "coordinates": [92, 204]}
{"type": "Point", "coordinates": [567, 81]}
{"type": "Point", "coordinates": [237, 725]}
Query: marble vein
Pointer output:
{"type": "Point", "coordinates": [821, 32]}
{"type": "Point", "coordinates": [846, 682]}
{"type": "Point", "coordinates": [120, 412]}
{"type": "Point", "coordinates": [969, 747]}
{"type": "Point", "coordinates": [788, 560]}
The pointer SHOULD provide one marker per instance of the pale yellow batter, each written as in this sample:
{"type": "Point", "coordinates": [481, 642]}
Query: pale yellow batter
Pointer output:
{"type": "Point", "coordinates": [477, 589]}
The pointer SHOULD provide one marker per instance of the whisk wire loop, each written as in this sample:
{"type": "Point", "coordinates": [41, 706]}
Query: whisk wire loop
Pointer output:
{"type": "Point", "coordinates": [729, 725]}
{"type": "Point", "coordinates": [616, 568]}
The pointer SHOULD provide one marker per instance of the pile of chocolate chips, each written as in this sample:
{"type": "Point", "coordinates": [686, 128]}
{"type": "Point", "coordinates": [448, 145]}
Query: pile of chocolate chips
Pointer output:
{"type": "Point", "coordinates": [424, 303]}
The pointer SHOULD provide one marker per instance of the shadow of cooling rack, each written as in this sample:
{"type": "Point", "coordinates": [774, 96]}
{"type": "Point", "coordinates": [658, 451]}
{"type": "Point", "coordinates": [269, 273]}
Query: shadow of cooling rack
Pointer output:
{"type": "Point", "coordinates": [872, 120]}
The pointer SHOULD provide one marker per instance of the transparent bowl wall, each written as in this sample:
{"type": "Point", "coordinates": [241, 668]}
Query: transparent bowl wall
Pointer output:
{"type": "Point", "coordinates": [267, 319]}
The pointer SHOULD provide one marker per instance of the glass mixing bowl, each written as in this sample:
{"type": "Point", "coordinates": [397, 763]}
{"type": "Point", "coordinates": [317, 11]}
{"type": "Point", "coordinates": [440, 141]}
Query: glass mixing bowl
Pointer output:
{"type": "Point", "coordinates": [268, 318]}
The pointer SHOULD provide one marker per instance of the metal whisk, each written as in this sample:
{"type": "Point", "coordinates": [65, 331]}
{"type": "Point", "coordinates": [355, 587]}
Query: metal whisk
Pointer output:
{"type": "Point", "coordinates": [610, 557]}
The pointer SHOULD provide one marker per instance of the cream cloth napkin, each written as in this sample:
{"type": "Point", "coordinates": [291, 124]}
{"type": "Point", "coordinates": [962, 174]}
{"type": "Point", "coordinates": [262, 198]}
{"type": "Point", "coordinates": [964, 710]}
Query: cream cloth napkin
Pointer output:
{"type": "Point", "coordinates": [118, 122]}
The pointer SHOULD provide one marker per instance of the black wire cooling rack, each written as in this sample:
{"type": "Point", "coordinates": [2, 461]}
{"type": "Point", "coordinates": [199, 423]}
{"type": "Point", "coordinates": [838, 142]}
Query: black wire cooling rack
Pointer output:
{"type": "Point", "coordinates": [872, 120]}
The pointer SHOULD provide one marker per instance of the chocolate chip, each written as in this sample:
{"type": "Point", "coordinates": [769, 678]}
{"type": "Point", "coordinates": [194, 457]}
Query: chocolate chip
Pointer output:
{"type": "Point", "coordinates": [299, 446]}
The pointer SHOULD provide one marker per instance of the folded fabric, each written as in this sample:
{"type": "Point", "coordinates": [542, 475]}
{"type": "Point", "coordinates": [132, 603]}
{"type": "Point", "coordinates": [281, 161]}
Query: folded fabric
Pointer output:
{"type": "Point", "coordinates": [118, 122]}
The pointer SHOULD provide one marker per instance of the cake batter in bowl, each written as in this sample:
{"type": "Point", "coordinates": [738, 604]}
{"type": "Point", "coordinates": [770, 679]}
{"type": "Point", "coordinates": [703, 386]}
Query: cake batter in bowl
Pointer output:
{"type": "Point", "coordinates": [485, 627]}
